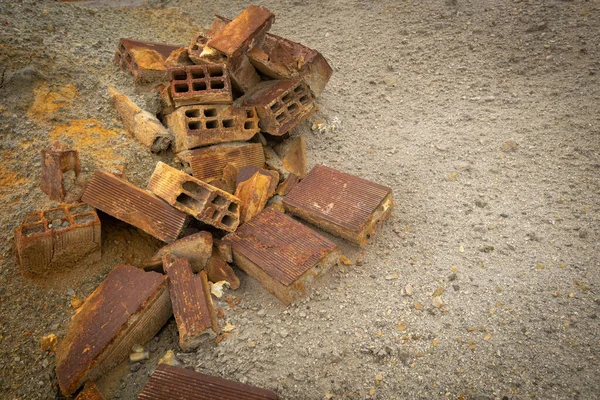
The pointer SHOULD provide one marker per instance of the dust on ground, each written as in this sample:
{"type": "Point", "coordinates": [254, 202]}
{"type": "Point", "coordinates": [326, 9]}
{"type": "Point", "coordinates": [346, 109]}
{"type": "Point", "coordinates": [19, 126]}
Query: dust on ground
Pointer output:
{"type": "Point", "coordinates": [484, 118]}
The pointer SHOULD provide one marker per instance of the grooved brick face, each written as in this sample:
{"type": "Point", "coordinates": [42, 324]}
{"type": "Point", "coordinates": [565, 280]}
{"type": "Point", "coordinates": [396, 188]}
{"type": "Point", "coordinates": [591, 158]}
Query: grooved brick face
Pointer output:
{"type": "Point", "coordinates": [200, 84]}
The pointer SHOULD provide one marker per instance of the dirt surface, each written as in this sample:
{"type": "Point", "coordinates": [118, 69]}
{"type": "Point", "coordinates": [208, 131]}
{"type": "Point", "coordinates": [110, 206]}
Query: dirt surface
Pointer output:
{"type": "Point", "coordinates": [484, 118]}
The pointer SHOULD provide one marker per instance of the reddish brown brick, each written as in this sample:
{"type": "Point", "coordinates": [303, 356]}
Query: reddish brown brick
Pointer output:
{"type": "Point", "coordinates": [144, 60]}
{"type": "Point", "coordinates": [56, 160]}
{"type": "Point", "coordinates": [200, 84]}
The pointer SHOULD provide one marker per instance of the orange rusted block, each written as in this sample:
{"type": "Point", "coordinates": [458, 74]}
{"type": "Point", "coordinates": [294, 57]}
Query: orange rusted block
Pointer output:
{"type": "Point", "coordinates": [204, 202]}
{"type": "Point", "coordinates": [200, 84]}
{"type": "Point", "coordinates": [280, 104]}
{"type": "Point", "coordinates": [284, 187]}
{"type": "Point", "coordinates": [207, 163]}
{"type": "Point", "coordinates": [202, 125]}
{"type": "Point", "coordinates": [292, 153]}
{"type": "Point", "coordinates": [224, 249]}
{"type": "Point", "coordinates": [144, 60]}
{"type": "Point", "coordinates": [254, 194]}
{"type": "Point", "coordinates": [241, 34]}
{"type": "Point", "coordinates": [167, 380]}
{"type": "Point", "coordinates": [59, 238]}
{"type": "Point", "coordinates": [56, 160]}
{"type": "Point", "coordinates": [192, 303]}
{"type": "Point", "coordinates": [129, 307]}
{"type": "Point", "coordinates": [218, 270]}
{"type": "Point", "coordinates": [135, 206]}
{"type": "Point", "coordinates": [178, 57]}
{"type": "Point", "coordinates": [195, 248]}
{"type": "Point", "coordinates": [281, 253]}
{"type": "Point", "coordinates": [342, 204]}
{"type": "Point", "coordinates": [90, 392]}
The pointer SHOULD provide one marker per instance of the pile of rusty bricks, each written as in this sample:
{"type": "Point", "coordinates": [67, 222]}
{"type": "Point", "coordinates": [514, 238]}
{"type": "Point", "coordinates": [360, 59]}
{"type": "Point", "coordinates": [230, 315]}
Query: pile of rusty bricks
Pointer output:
{"type": "Point", "coordinates": [226, 94]}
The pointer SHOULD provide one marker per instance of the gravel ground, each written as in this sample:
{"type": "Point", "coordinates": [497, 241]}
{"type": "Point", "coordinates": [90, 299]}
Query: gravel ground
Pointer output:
{"type": "Point", "coordinates": [484, 118]}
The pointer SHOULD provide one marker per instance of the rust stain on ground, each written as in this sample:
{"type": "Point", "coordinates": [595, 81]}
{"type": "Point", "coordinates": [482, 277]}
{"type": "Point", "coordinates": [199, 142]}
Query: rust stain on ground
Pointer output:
{"type": "Point", "coordinates": [47, 102]}
{"type": "Point", "coordinates": [10, 176]}
{"type": "Point", "coordinates": [91, 137]}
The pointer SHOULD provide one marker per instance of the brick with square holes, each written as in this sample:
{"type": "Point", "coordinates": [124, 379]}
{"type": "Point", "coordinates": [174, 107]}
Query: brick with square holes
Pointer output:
{"type": "Point", "coordinates": [200, 84]}
{"type": "Point", "coordinates": [144, 60]}
{"type": "Point", "coordinates": [204, 202]}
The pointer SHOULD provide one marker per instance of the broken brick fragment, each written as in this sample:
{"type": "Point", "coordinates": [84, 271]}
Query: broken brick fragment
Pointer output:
{"type": "Point", "coordinates": [243, 33]}
{"type": "Point", "coordinates": [292, 153]}
{"type": "Point", "coordinates": [254, 194]}
{"type": "Point", "coordinates": [90, 392]}
{"type": "Point", "coordinates": [281, 253]}
{"type": "Point", "coordinates": [207, 163]}
{"type": "Point", "coordinates": [196, 248]}
{"type": "Point", "coordinates": [136, 206]}
{"type": "Point", "coordinates": [144, 60]}
{"type": "Point", "coordinates": [59, 238]}
{"type": "Point", "coordinates": [218, 270]}
{"type": "Point", "coordinates": [202, 125]}
{"type": "Point", "coordinates": [245, 173]}
{"type": "Point", "coordinates": [281, 104]}
{"type": "Point", "coordinates": [200, 84]}
{"type": "Point", "coordinates": [224, 249]}
{"type": "Point", "coordinates": [129, 307]}
{"type": "Point", "coordinates": [190, 385]}
{"type": "Point", "coordinates": [204, 202]}
{"type": "Point", "coordinates": [178, 57]}
{"type": "Point", "coordinates": [192, 303]}
{"type": "Point", "coordinates": [284, 187]}
{"type": "Point", "coordinates": [140, 124]}
{"type": "Point", "coordinates": [56, 160]}
{"type": "Point", "coordinates": [339, 203]}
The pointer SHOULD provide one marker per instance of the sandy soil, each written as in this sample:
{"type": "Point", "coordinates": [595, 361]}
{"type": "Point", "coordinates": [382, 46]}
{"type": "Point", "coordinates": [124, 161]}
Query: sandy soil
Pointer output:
{"type": "Point", "coordinates": [484, 118]}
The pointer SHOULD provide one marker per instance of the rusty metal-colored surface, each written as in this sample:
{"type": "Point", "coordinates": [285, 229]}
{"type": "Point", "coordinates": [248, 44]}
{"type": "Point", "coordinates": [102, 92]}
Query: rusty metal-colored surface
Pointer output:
{"type": "Point", "coordinates": [281, 253]}
{"type": "Point", "coordinates": [218, 270]}
{"type": "Point", "coordinates": [192, 303]}
{"type": "Point", "coordinates": [202, 125]}
{"type": "Point", "coordinates": [166, 381]}
{"type": "Point", "coordinates": [280, 58]}
{"type": "Point", "coordinates": [195, 248]}
{"type": "Point", "coordinates": [56, 160]}
{"type": "Point", "coordinates": [224, 250]}
{"type": "Point", "coordinates": [340, 203]}
{"type": "Point", "coordinates": [254, 194]}
{"type": "Point", "coordinates": [243, 74]}
{"type": "Point", "coordinates": [200, 84]}
{"type": "Point", "coordinates": [204, 202]}
{"type": "Point", "coordinates": [144, 60]}
{"type": "Point", "coordinates": [292, 153]}
{"type": "Point", "coordinates": [178, 57]}
{"type": "Point", "coordinates": [129, 307]}
{"type": "Point", "coordinates": [274, 162]}
{"type": "Point", "coordinates": [140, 124]}
{"type": "Point", "coordinates": [208, 162]}
{"type": "Point", "coordinates": [135, 206]}
{"type": "Point", "coordinates": [90, 392]}
{"type": "Point", "coordinates": [59, 238]}
{"type": "Point", "coordinates": [288, 184]}
{"type": "Point", "coordinates": [280, 104]}
{"type": "Point", "coordinates": [241, 34]}
{"type": "Point", "coordinates": [245, 173]}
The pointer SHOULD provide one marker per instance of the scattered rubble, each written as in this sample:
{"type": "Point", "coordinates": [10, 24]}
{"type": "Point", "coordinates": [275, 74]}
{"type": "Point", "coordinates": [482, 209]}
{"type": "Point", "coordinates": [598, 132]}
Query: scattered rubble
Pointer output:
{"type": "Point", "coordinates": [167, 380]}
{"type": "Point", "coordinates": [56, 160]}
{"type": "Point", "coordinates": [196, 248]}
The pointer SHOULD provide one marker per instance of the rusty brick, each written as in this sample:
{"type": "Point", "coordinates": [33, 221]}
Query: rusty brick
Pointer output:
{"type": "Point", "coordinates": [58, 238]}
{"type": "Point", "coordinates": [276, 202]}
{"type": "Point", "coordinates": [245, 173]}
{"type": "Point", "coordinates": [129, 307]}
{"type": "Point", "coordinates": [281, 253]}
{"type": "Point", "coordinates": [189, 385]}
{"type": "Point", "coordinates": [140, 124]}
{"type": "Point", "coordinates": [178, 57]}
{"type": "Point", "coordinates": [192, 303]}
{"type": "Point", "coordinates": [254, 194]}
{"type": "Point", "coordinates": [342, 204]}
{"type": "Point", "coordinates": [243, 74]}
{"type": "Point", "coordinates": [202, 125]}
{"type": "Point", "coordinates": [135, 206]}
{"type": "Point", "coordinates": [208, 163]}
{"type": "Point", "coordinates": [218, 270]}
{"type": "Point", "coordinates": [56, 160]}
{"type": "Point", "coordinates": [196, 48]}
{"type": "Point", "coordinates": [144, 60]}
{"type": "Point", "coordinates": [195, 248]}
{"type": "Point", "coordinates": [241, 34]}
{"type": "Point", "coordinates": [274, 162]}
{"type": "Point", "coordinates": [292, 153]}
{"type": "Point", "coordinates": [200, 84]}
{"type": "Point", "coordinates": [204, 202]}
{"type": "Point", "coordinates": [224, 250]}
{"type": "Point", "coordinates": [280, 104]}
{"type": "Point", "coordinates": [284, 187]}
{"type": "Point", "coordinates": [281, 58]}
{"type": "Point", "coordinates": [90, 392]}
